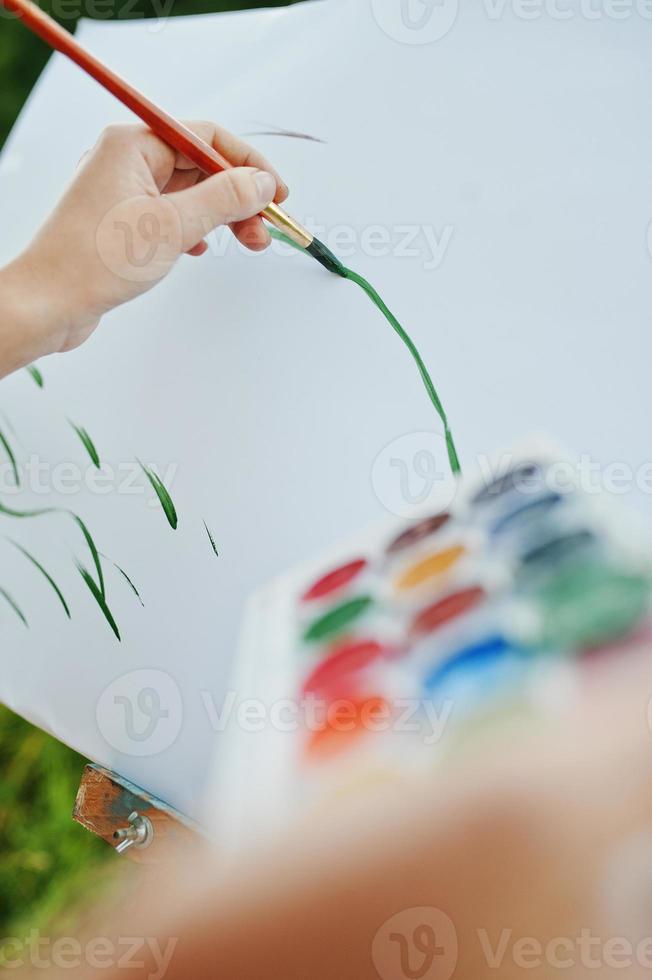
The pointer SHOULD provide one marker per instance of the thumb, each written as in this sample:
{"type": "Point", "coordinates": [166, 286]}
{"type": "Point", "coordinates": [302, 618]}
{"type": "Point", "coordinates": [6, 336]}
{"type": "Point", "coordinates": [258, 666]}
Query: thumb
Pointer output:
{"type": "Point", "coordinates": [220, 200]}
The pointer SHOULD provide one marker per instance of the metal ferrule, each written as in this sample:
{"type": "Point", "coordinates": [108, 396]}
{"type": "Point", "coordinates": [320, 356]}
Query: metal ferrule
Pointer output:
{"type": "Point", "coordinates": [277, 217]}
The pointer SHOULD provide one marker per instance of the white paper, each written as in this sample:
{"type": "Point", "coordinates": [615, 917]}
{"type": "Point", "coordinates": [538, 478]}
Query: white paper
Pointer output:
{"type": "Point", "coordinates": [521, 146]}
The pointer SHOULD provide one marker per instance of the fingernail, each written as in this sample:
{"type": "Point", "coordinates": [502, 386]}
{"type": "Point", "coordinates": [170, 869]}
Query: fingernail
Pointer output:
{"type": "Point", "coordinates": [266, 186]}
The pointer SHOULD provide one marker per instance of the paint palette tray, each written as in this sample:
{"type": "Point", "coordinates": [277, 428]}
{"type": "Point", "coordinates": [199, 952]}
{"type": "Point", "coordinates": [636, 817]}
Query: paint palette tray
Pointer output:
{"type": "Point", "coordinates": [377, 658]}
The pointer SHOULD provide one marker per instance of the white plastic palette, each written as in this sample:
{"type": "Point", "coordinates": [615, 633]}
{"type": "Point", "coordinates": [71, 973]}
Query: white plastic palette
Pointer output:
{"type": "Point", "coordinates": [377, 657]}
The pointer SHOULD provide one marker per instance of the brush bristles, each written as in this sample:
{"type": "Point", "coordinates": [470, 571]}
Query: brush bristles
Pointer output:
{"type": "Point", "coordinates": [324, 256]}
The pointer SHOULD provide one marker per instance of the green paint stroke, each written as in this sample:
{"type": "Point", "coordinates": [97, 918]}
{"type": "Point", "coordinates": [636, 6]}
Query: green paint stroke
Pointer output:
{"type": "Point", "coordinates": [88, 444]}
{"type": "Point", "coordinates": [407, 340]}
{"type": "Point", "coordinates": [14, 605]}
{"type": "Point", "coordinates": [96, 588]}
{"type": "Point", "coordinates": [34, 373]}
{"type": "Point", "coordinates": [93, 550]}
{"type": "Point", "coordinates": [212, 540]}
{"type": "Point", "coordinates": [162, 494]}
{"type": "Point", "coordinates": [46, 575]}
{"type": "Point", "coordinates": [10, 512]}
{"type": "Point", "coordinates": [12, 458]}
{"type": "Point", "coordinates": [99, 598]}
{"type": "Point", "coordinates": [129, 582]}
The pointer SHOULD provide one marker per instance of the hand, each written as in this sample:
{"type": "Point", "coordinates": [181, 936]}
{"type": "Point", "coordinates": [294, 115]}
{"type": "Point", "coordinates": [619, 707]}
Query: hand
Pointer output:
{"type": "Point", "coordinates": [134, 207]}
{"type": "Point", "coordinates": [527, 854]}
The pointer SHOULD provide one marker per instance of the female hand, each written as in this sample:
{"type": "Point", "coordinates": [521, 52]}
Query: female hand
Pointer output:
{"type": "Point", "coordinates": [134, 207]}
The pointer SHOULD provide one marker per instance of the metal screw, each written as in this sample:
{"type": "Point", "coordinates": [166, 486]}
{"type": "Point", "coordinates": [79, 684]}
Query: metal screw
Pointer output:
{"type": "Point", "coordinates": [139, 833]}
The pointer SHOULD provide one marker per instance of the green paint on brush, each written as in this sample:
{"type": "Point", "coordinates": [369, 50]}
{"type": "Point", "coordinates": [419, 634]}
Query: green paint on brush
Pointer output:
{"type": "Point", "coordinates": [88, 443]}
{"type": "Point", "coordinates": [99, 598]}
{"type": "Point", "coordinates": [162, 494]}
{"type": "Point", "coordinates": [12, 459]}
{"type": "Point", "coordinates": [46, 575]}
{"type": "Point", "coordinates": [212, 540]}
{"type": "Point", "coordinates": [14, 605]}
{"type": "Point", "coordinates": [375, 298]}
{"type": "Point", "coordinates": [34, 373]}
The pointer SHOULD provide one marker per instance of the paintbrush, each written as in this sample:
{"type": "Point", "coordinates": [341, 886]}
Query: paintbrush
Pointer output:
{"type": "Point", "coordinates": [167, 127]}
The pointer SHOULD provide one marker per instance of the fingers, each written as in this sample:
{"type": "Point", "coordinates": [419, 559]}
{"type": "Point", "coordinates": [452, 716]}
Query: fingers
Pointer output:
{"type": "Point", "coordinates": [199, 249]}
{"type": "Point", "coordinates": [138, 152]}
{"type": "Point", "coordinates": [229, 198]}
{"type": "Point", "coordinates": [234, 197]}
{"type": "Point", "coordinates": [140, 146]}
{"type": "Point", "coordinates": [83, 159]}
{"type": "Point", "coordinates": [252, 233]}
{"type": "Point", "coordinates": [181, 179]}
{"type": "Point", "coordinates": [236, 151]}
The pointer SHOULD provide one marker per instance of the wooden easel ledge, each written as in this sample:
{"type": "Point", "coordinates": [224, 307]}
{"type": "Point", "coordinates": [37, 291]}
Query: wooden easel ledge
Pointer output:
{"type": "Point", "coordinates": [128, 818]}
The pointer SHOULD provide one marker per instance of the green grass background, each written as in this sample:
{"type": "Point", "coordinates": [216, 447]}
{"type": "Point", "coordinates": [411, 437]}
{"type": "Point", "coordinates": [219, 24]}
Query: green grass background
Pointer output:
{"type": "Point", "coordinates": [48, 864]}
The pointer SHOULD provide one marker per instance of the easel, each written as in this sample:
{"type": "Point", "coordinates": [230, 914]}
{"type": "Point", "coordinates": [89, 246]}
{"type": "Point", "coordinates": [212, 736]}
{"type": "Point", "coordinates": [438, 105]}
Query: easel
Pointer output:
{"type": "Point", "coordinates": [128, 818]}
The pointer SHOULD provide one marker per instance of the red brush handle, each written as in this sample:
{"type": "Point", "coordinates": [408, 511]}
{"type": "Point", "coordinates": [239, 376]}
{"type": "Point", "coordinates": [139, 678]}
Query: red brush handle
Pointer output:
{"type": "Point", "coordinates": [167, 127]}
{"type": "Point", "coordinates": [170, 130]}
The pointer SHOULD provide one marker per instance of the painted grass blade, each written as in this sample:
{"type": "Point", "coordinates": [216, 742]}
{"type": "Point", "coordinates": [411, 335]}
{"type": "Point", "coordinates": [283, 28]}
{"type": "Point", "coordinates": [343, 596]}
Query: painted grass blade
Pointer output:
{"type": "Point", "coordinates": [34, 372]}
{"type": "Point", "coordinates": [127, 579]}
{"type": "Point", "coordinates": [99, 598]}
{"type": "Point", "coordinates": [12, 459]}
{"type": "Point", "coordinates": [162, 494]}
{"type": "Point", "coordinates": [93, 550]}
{"type": "Point", "coordinates": [88, 444]}
{"type": "Point", "coordinates": [46, 575]}
{"type": "Point", "coordinates": [130, 583]}
{"type": "Point", "coordinates": [10, 512]}
{"type": "Point", "coordinates": [14, 605]}
{"type": "Point", "coordinates": [380, 304]}
{"type": "Point", "coordinates": [10, 426]}
{"type": "Point", "coordinates": [212, 540]}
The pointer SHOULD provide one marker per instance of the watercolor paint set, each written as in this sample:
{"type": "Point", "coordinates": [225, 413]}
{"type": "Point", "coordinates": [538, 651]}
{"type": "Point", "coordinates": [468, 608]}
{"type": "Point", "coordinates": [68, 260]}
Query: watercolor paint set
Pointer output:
{"type": "Point", "coordinates": [381, 656]}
